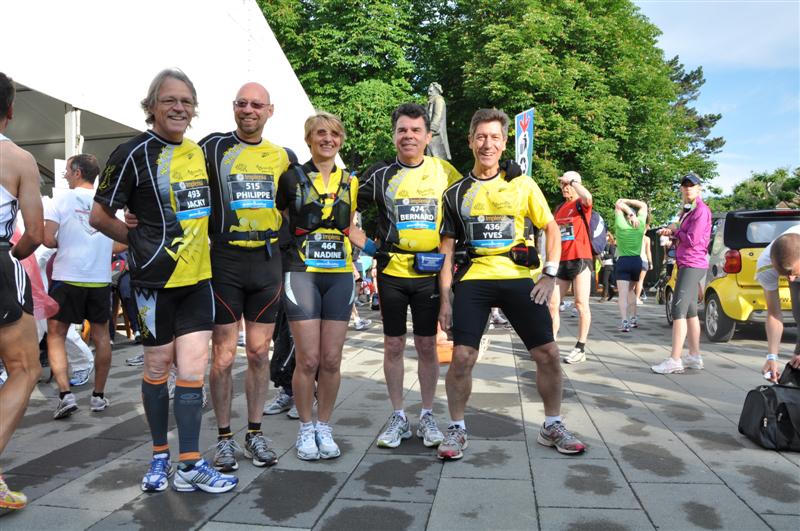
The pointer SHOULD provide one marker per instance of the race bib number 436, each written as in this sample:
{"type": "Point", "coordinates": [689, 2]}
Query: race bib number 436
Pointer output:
{"type": "Point", "coordinates": [489, 232]}
{"type": "Point", "coordinates": [416, 214]}
{"type": "Point", "coordinates": [325, 251]}
{"type": "Point", "coordinates": [251, 190]}
{"type": "Point", "coordinates": [192, 199]}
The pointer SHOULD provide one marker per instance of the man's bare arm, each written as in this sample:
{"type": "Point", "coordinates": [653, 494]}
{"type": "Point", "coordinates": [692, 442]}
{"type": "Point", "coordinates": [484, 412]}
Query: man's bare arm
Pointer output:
{"type": "Point", "coordinates": [103, 219]}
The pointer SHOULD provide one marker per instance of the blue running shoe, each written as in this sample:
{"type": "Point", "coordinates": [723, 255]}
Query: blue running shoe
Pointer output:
{"type": "Point", "coordinates": [204, 477]}
{"type": "Point", "coordinates": [157, 478]}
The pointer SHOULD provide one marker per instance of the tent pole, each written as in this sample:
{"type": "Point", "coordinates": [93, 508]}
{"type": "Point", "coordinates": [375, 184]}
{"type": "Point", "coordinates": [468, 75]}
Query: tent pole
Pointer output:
{"type": "Point", "coordinates": [73, 140]}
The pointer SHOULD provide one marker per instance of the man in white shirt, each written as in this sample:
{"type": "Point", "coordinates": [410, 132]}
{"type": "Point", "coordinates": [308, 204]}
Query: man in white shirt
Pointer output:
{"type": "Point", "coordinates": [81, 280]}
{"type": "Point", "coordinates": [780, 258]}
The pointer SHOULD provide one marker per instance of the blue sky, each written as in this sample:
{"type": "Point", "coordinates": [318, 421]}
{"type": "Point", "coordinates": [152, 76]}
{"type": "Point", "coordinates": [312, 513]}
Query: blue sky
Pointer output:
{"type": "Point", "coordinates": [750, 54]}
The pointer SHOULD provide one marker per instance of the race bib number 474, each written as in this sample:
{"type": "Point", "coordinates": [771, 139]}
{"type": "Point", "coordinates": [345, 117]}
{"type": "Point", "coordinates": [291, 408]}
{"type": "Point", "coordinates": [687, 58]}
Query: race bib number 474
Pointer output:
{"type": "Point", "coordinates": [416, 214]}
{"type": "Point", "coordinates": [192, 199]}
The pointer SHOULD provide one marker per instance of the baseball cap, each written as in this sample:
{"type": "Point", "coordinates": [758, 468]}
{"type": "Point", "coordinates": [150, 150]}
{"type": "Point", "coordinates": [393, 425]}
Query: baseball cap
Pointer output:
{"type": "Point", "coordinates": [690, 179]}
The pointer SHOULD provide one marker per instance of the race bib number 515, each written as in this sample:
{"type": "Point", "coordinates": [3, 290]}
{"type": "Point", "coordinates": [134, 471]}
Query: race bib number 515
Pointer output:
{"type": "Point", "coordinates": [249, 190]}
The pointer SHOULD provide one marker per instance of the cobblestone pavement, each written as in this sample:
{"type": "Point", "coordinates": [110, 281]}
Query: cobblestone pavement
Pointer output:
{"type": "Point", "coordinates": [664, 451]}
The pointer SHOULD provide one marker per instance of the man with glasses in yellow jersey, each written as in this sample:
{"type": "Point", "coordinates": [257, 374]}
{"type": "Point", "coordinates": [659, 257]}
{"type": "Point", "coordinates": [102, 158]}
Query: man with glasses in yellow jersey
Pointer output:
{"type": "Point", "coordinates": [408, 194]}
{"type": "Point", "coordinates": [160, 176]}
{"type": "Point", "coordinates": [243, 170]}
{"type": "Point", "coordinates": [484, 220]}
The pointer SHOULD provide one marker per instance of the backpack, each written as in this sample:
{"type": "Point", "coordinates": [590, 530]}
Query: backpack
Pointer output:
{"type": "Point", "coordinates": [595, 228]}
{"type": "Point", "coordinates": [771, 413]}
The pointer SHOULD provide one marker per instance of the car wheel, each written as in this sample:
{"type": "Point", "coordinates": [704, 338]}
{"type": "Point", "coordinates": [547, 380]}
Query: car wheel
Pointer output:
{"type": "Point", "coordinates": [719, 327]}
{"type": "Point", "coordinates": [668, 306]}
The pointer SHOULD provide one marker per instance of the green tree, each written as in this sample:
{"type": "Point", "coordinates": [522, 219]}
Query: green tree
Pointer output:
{"type": "Point", "coordinates": [763, 190]}
{"type": "Point", "coordinates": [350, 57]}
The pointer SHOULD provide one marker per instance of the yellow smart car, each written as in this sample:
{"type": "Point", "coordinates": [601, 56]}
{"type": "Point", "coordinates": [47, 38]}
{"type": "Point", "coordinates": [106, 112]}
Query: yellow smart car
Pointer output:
{"type": "Point", "coordinates": [730, 293]}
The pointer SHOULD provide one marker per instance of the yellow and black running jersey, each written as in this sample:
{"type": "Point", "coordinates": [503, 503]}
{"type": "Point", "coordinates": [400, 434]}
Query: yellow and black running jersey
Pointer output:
{"type": "Point", "coordinates": [165, 185]}
{"type": "Point", "coordinates": [323, 249]}
{"type": "Point", "coordinates": [488, 217]}
{"type": "Point", "coordinates": [243, 178]}
{"type": "Point", "coordinates": [409, 201]}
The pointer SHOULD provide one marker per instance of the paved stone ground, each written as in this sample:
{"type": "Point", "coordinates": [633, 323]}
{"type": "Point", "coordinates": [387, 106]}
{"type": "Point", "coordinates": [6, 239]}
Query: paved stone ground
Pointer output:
{"type": "Point", "coordinates": [664, 450]}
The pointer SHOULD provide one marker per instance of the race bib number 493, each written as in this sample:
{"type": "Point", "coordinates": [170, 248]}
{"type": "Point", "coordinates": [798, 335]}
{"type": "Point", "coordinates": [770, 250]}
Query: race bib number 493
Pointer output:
{"type": "Point", "coordinates": [251, 190]}
{"type": "Point", "coordinates": [192, 199]}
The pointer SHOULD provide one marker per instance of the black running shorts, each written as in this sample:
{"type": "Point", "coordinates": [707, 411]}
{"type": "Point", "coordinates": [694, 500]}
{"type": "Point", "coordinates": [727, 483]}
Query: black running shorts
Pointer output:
{"type": "Point", "coordinates": [166, 313]}
{"type": "Point", "coordinates": [326, 296]}
{"type": "Point", "coordinates": [15, 289]}
{"type": "Point", "coordinates": [397, 294]}
{"type": "Point", "coordinates": [77, 303]}
{"type": "Point", "coordinates": [246, 282]}
{"type": "Point", "coordinates": [473, 300]}
{"type": "Point", "coordinates": [569, 269]}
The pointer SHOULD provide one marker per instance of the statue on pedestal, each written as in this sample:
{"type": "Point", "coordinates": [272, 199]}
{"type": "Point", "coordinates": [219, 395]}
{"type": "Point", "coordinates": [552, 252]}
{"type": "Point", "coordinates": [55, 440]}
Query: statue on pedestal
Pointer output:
{"type": "Point", "coordinates": [437, 111]}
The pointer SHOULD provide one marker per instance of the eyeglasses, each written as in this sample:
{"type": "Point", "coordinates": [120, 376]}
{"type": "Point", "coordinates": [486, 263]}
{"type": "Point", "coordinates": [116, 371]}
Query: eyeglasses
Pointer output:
{"type": "Point", "coordinates": [257, 105]}
{"type": "Point", "coordinates": [170, 102]}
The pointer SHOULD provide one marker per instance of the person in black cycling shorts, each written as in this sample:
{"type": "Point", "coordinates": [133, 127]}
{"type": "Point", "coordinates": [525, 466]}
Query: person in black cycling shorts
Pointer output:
{"type": "Point", "coordinates": [160, 176]}
{"type": "Point", "coordinates": [408, 194]}
{"type": "Point", "coordinates": [243, 170]}
{"type": "Point", "coordinates": [484, 220]}
{"type": "Point", "coordinates": [319, 201]}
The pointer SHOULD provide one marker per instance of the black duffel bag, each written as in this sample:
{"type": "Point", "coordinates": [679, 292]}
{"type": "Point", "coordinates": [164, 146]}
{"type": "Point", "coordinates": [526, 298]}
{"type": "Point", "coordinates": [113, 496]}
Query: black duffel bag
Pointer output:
{"type": "Point", "coordinates": [771, 413]}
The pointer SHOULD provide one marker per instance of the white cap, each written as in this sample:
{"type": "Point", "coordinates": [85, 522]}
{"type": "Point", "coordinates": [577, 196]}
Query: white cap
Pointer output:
{"type": "Point", "coordinates": [573, 176]}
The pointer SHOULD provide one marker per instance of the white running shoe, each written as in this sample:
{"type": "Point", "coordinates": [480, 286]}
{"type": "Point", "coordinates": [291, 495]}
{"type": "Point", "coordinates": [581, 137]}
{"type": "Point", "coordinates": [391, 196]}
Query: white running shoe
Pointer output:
{"type": "Point", "coordinates": [328, 449]}
{"type": "Point", "coordinates": [282, 402]}
{"type": "Point", "coordinates": [693, 362]}
{"type": "Point", "coordinates": [362, 324]}
{"type": "Point", "coordinates": [98, 403]}
{"type": "Point", "coordinates": [668, 366]}
{"type": "Point", "coordinates": [575, 356]}
{"type": "Point", "coordinates": [306, 444]}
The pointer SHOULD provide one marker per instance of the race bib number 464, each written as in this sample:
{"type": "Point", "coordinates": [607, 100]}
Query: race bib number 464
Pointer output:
{"type": "Point", "coordinates": [192, 199]}
{"type": "Point", "coordinates": [325, 251]}
{"type": "Point", "coordinates": [416, 214]}
{"type": "Point", "coordinates": [251, 190]}
{"type": "Point", "coordinates": [489, 232]}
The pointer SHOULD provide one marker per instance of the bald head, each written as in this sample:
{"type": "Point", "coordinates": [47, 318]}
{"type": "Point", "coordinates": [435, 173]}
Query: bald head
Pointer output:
{"type": "Point", "coordinates": [253, 91]}
{"type": "Point", "coordinates": [251, 110]}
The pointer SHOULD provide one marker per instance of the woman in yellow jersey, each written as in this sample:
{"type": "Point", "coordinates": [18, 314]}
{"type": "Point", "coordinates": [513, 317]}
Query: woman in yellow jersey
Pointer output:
{"type": "Point", "coordinates": [319, 201]}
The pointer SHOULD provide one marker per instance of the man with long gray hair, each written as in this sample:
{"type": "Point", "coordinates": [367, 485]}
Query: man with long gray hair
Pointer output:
{"type": "Point", "coordinates": [161, 177]}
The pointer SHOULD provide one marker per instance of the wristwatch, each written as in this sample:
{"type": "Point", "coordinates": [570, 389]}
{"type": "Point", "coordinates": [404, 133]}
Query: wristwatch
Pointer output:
{"type": "Point", "coordinates": [550, 270]}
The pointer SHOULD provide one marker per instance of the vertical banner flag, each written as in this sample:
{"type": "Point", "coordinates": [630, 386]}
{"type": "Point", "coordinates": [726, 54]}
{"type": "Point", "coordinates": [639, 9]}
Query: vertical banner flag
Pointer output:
{"type": "Point", "coordinates": [524, 141]}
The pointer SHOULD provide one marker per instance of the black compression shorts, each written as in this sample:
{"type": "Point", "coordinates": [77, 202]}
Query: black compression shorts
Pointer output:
{"type": "Point", "coordinates": [76, 303]}
{"type": "Point", "coordinates": [245, 282]}
{"type": "Point", "coordinates": [397, 294]}
{"type": "Point", "coordinates": [326, 296]}
{"type": "Point", "coordinates": [166, 313]}
{"type": "Point", "coordinates": [15, 289]}
{"type": "Point", "coordinates": [473, 300]}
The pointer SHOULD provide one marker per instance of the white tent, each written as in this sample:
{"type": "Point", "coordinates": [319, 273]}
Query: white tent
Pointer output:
{"type": "Point", "coordinates": [99, 56]}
